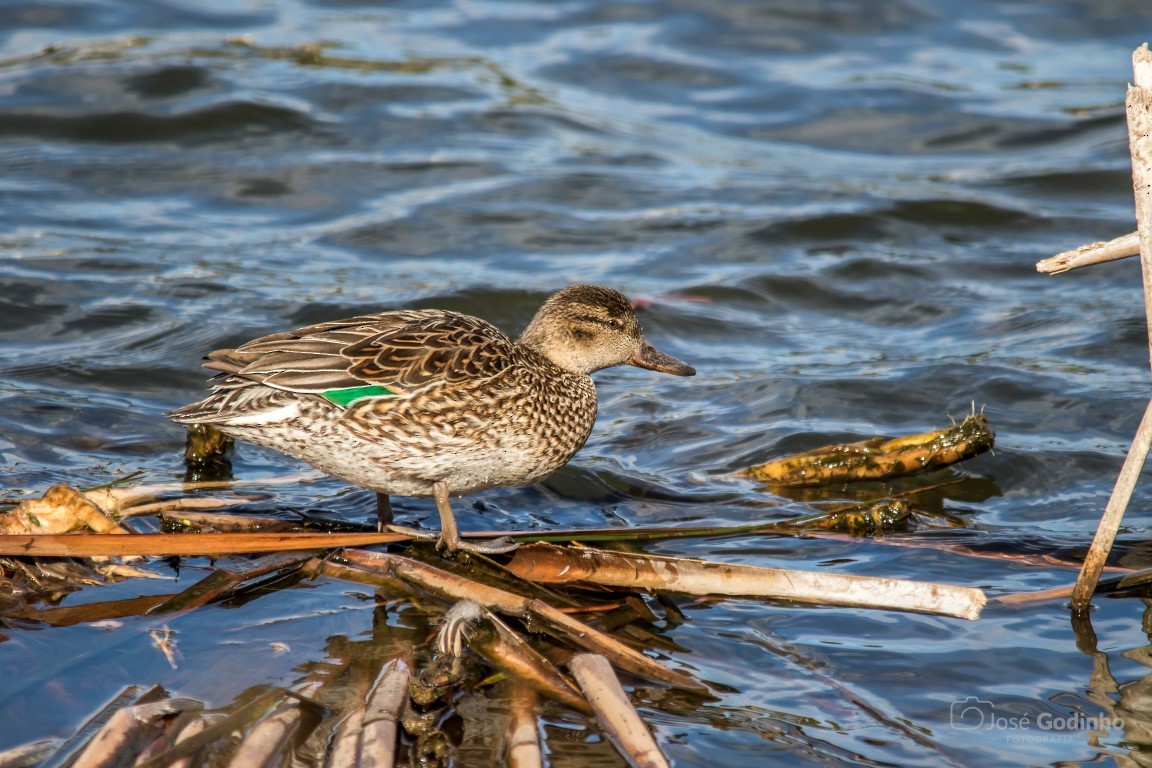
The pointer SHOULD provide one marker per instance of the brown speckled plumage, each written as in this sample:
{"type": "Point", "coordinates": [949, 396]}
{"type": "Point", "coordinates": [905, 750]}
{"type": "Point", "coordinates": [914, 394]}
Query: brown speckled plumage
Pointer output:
{"type": "Point", "coordinates": [462, 403]}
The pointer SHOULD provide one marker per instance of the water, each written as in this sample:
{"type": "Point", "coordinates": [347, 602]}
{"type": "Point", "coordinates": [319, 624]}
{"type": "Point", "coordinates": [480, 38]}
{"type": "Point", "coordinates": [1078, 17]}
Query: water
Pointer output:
{"type": "Point", "coordinates": [852, 195]}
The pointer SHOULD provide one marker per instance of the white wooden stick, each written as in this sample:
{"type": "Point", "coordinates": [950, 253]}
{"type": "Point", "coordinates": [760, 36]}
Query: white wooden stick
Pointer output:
{"type": "Point", "coordinates": [1093, 253]}
{"type": "Point", "coordinates": [549, 564]}
{"type": "Point", "coordinates": [381, 730]}
{"type": "Point", "coordinates": [615, 712]}
{"type": "Point", "coordinates": [1139, 109]}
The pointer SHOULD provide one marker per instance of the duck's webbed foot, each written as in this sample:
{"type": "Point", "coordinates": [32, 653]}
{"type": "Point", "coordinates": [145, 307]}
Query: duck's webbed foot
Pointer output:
{"type": "Point", "coordinates": [449, 540]}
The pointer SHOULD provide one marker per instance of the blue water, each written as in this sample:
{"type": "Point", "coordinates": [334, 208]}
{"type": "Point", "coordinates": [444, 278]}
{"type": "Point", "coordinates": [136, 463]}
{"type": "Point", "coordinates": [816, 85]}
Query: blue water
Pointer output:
{"type": "Point", "coordinates": [835, 208]}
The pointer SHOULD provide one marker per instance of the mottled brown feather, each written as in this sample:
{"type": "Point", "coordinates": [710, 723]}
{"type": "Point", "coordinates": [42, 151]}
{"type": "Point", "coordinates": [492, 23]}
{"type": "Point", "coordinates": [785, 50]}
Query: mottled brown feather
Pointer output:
{"type": "Point", "coordinates": [402, 351]}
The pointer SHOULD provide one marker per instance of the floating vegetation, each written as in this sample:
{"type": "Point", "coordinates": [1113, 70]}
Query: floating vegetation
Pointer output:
{"type": "Point", "coordinates": [880, 458]}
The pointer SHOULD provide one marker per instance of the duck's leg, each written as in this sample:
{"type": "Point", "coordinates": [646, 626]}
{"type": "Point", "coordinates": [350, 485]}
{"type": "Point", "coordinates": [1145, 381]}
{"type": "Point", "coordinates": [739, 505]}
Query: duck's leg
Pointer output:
{"type": "Point", "coordinates": [449, 539]}
{"type": "Point", "coordinates": [383, 512]}
{"type": "Point", "coordinates": [450, 533]}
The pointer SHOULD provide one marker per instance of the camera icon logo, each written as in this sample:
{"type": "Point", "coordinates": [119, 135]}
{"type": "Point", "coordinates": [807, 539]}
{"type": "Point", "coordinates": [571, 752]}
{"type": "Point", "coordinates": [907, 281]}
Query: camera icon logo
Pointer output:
{"type": "Point", "coordinates": [971, 713]}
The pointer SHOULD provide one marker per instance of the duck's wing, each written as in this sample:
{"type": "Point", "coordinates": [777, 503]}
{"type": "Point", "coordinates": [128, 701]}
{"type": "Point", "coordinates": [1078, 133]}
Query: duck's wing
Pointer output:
{"type": "Point", "coordinates": [400, 352]}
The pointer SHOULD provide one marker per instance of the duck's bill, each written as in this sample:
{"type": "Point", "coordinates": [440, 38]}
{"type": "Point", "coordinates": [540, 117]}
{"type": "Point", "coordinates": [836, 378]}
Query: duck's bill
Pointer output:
{"type": "Point", "coordinates": [654, 360]}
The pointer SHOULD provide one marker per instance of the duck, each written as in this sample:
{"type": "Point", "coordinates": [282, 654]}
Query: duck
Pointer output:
{"type": "Point", "coordinates": [430, 402]}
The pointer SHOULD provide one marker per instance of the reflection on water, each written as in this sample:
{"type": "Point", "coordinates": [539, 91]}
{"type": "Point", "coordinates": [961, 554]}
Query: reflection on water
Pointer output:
{"type": "Point", "coordinates": [833, 208]}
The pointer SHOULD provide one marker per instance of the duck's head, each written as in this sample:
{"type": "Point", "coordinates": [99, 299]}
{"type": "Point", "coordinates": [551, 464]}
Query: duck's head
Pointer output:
{"type": "Point", "coordinates": [584, 328]}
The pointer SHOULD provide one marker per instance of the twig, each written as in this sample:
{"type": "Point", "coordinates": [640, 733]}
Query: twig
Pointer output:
{"type": "Point", "coordinates": [225, 578]}
{"type": "Point", "coordinates": [130, 696]}
{"type": "Point", "coordinates": [220, 728]}
{"type": "Point", "coordinates": [522, 739]}
{"type": "Point", "coordinates": [164, 734]}
{"type": "Point", "coordinates": [170, 544]}
{"type": "Point", "coordinates": [1113, 513]}
{"type": "Point", "coordinates": [806, 666]}
{"type": "Point", "coordinates": [1125, 582]}
{"type": "Point", "coordinates": [382, 715]}
{"type": "Point", "coordinates": [191, 729]}
{"type": "Point", "coordinates": [344, 743]}
{"type": "Point", "coordinates": [616, 714]}
{"type": "Point", "coordinates": [1021, 598]}
{"type": "Point", "coordinates": [32, 755]}
{"type": "Point", "coordinates": [270, 736]}
{"type": "Point", "coordinates": [1093, 253]}
{"type": "Point", "coordinates": [126, 727]}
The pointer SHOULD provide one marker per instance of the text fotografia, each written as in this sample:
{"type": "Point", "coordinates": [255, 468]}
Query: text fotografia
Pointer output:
{"type": "Point", "coordinates": [973, 714]}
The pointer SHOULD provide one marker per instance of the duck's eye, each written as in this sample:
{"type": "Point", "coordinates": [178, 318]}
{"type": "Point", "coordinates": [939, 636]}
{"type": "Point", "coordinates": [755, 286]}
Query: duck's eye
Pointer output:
{"type": "Point", "coordinates": [609, 322]}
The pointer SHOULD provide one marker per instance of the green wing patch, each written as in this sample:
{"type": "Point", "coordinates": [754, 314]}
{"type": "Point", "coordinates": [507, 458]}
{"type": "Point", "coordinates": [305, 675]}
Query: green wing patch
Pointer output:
{"type": "Point", "coordinates": [348, 395]}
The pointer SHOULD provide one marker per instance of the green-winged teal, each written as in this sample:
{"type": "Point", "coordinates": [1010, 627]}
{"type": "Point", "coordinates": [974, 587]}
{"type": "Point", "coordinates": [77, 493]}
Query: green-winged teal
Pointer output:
{"type": "Point", "coordinates": [430, 402]}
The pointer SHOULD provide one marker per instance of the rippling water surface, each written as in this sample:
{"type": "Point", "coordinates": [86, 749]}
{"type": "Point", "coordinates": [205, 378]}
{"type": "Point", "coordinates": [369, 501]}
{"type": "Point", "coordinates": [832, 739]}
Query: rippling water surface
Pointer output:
{"type": "Point", "coordinates": [834, 207]}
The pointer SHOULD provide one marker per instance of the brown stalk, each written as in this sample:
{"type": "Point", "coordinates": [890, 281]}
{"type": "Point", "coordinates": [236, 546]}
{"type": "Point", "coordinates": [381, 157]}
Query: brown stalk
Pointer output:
{"type": "Point", "coordinates": [182, 544]}
{"type": "Point", "coordinates": [615, 712]}
{"type": "Point", "coordinates": [190, 730]}
{"type": "Point", "coordinates": [165, 735]}
{"type": "Point", "coordinates": [522, 739]}
{"type": "Point", "coordinates": [70, 615]}
{"type": "Point", "coordinates": [130, 696]}
{"type": "Point", "coordinates": [344, 747]}
{"type": "Point", "coordinates": [381, 719]}
{"type": "Point", "coordinates": [226, 577]}
{"type": "Point", "coordinates": [469, 623]}
{"type": "Point", "coordinates": [452, 587]}
{"type": "Point", "coordinates": [269, 737]}
{"type": "Point", "coordinates": [551, 564]}
{"type": "Point", "coordinates": [28, 755]}
{"type": "Point", "coordinates": [224, 523]}
{"type": "Point", "coordinates": [1127, 581]}
{"type": "Point", "coordinates": [219, 728]}
{"type": "Point", "coordinates": [125, 731]}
